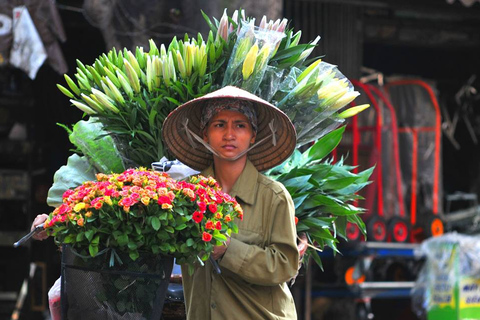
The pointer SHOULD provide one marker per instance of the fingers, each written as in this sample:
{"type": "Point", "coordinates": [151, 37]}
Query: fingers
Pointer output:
{"type": "Point", "coordinates": [219, 251]}
{"type": "Point", "coordinates": [39, 220]}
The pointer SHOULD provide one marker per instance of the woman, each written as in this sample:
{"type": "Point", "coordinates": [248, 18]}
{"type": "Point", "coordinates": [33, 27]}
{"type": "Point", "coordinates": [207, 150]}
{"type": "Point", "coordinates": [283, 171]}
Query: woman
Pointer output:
{"type": "Point", "coordinates": [231, 135]}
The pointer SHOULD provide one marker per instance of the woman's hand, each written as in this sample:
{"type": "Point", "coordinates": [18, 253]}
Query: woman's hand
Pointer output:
{"type": "Point", "coordinates": [39, 220]}
{"type": "Point", "coordinates": [219, 251]}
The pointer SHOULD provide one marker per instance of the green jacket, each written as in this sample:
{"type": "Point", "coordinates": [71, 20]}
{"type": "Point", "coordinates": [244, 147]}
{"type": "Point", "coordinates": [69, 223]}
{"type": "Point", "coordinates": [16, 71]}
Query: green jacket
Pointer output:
{"type": "Point", "coordinates": [259, 261]}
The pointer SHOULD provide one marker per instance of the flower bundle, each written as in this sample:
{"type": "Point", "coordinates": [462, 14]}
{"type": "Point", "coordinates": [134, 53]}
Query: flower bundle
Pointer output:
{"type": "Point", "coordinates": [145, 211]}
{"type": "Point", "coordinates": [131, 93]}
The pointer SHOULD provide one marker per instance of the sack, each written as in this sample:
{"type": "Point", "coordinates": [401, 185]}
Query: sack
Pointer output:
{"type": "Point", "coordinates": [54, 300]}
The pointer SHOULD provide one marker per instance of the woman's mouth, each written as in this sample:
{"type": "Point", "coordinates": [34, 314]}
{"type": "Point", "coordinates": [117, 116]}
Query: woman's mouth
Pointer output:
{"type": "Point", "coordinates": [229, 147]}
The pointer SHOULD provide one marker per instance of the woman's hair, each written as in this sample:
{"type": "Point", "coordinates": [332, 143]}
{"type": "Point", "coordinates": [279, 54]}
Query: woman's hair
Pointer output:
{"type": "Point", "coordinates": [214, 106]}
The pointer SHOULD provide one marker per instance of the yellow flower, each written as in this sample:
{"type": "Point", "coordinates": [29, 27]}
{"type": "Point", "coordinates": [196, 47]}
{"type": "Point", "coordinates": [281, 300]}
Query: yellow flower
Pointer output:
{"type": "Point", "coordinates": [166, 206]}
{"type": "Point", "coordinates": [353, 111]}
{"type": "Point", "coordinates": [108, 200]}
{"type": "Point", "coordinates": [162, 191]}
{"type": "Point", "coordinates": [249, 62]}
{"type": "Point", "coordinates": [79, 206]}
{"type": "Point", "coordinates": [145, 200]}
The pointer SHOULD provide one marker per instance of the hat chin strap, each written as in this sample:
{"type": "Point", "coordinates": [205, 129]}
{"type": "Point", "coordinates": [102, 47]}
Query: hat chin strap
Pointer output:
{"type": "Point", "coordinates": [192, 135]}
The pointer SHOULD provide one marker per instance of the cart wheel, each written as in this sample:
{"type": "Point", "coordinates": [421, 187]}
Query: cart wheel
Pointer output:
{"type": "Point", "coordinates": [353, 232]}
{"type": "Point", "coordinates": [377, 229]}
{"type": "Point", "coordinates": [351, 278]}
{"type": "Point", "coordinates": [399, 230]}
{"type": "Point", "coordinates": [434, 227]}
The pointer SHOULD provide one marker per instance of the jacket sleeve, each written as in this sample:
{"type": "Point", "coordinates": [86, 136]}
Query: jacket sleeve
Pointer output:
{"type": "Point", "coordinates": [278, 261]}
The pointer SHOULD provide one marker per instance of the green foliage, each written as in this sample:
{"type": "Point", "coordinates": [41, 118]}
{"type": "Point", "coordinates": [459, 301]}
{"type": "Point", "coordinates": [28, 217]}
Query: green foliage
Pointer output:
{"type": "Point", "coordinates": [323, 193]}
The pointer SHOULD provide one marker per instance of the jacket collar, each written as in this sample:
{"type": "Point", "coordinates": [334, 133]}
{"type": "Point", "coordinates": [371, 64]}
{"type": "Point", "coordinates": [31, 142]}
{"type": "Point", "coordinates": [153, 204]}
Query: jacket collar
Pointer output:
{"type": "Point", "coordinates": [245, 188]}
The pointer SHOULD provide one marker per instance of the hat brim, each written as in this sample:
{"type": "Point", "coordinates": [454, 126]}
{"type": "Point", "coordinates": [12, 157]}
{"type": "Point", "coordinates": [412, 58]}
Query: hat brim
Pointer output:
{"type": "Point", "coordinates": [263, 157]}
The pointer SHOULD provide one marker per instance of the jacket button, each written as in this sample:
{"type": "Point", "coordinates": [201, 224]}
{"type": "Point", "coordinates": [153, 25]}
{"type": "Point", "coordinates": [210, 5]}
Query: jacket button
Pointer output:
{"type": "Point", "coordinates": [213, 305]}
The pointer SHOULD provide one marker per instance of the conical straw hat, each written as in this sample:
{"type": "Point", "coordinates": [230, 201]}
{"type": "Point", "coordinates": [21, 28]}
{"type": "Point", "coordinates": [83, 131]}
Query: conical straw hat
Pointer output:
{"type": "Point", "coordinates": [264, 156]}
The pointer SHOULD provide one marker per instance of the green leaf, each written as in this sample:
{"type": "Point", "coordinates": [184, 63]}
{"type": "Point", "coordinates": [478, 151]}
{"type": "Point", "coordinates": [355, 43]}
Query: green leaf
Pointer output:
{"type": "Point", "coordinates": [93, 250]}
{"type": "Point", "coordinates": [73, 174]}
{"type": "Point", "coordinates": [155, 222]}
{"type": "Point", "coordinates": [326, 144]}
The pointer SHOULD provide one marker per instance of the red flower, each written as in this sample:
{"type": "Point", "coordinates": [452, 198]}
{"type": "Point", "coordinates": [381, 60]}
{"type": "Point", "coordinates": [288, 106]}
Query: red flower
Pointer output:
{"type": "Point", "coordinates": [209, 225]}
{"type": "Point", "coordinates": [296, 220]}
{"type": "Point", "coordinates": [207, 237]}
{"type": "Point", "coordinates": [202, 206]}
{"type": "Point", "coordinates": [197, 216]}
{"type": "Point", "coordinates": [218, 225]}
{"type": "Point", "coordinates": [212, 208]}
{"type": "Point", "coordinates": [164, 199]}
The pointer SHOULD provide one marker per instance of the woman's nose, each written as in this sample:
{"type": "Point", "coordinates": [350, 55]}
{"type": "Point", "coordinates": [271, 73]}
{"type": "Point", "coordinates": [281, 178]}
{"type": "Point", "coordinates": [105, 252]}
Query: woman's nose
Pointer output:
{"type": "Point", "coordinates": [229, 132]}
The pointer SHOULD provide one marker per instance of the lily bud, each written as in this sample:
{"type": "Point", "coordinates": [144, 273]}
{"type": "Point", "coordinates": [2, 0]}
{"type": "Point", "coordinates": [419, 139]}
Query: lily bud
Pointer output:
{"type": "Point", "coordinates": [94, 105]}
{"type": "Point", "coordinates": [140, 57]}
{"type": "Point", "coordinates": [133, 62]}
{"type": "Point", "coordinates": [242, 48]}
{"type": "Point", "coordinates": [211, 53]}
{"type": "Point", "coordinates": [132, 76]}
{"type": "Point", "coordinates": [308, 70]}
{"type": "Point", "coordinates": [83, 83]}
{"type": "Point", "coordinates": [275, 25]}
{"type": "Point", "coordinates": [116, 93]}
{"type": "Point", "coordinates": [189, 58]}
{"type": "Point", "coordinates": [105, 100]}
{"type": "Point", "coordinates": [85, 74]}
{"type": "Point", "coordinates": [81, 66]}
{"type": "Point", "coordinates": [200, 52]}
{"type": "Point", "coordinates": [181, 65]}
{"type": "Point", "coordinates": [96, 76]}
{"type": "Point", "coordinates": [166, 71]}
{"type": "Point", "coordinates": [307, 52]}
{"type": "Point", "coordinates": [112, 77]}
{"type": "Point", "coordinates": [163, 51]}
{"type": "Point", "coordinates": [82, 107]}
{"type": "Point", "coordinates": [173, 44]}
{"type": "Point", "coordinates": [65, 91]}
{"type": "Point", "coordinates": [282, 26]}
{"type": "Point", "coordinates": [353, 111]}
{"type": "Point", "coordinates": [203, 66]}
{"type": "Point", "coordinates": [263, 22]}
{"type": "Point", "coordinates": [153, 48]}
{"type": "Point", "coordinates": [157, 68]}
{"type": "Point", "coordinates": [262, 57]}
{"type": "Point", "coordinates": [222, 31]}
{"type": "Point", "coordinates": [71, 84]}
{"type": "Point", "coordinates": [171, 66]}
{"type": "Point", "coordinates": [150, 74]}
{"type": "Point", "coordinates": [122, 78]}
{"type": "Point", "coordinates": [345, 99]}
{"type": "Point", "coordinates": [249, 62]}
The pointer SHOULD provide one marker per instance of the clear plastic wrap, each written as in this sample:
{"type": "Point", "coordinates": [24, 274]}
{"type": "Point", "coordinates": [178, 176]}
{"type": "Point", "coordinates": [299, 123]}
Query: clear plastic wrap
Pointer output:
{"type": "Point", "coordinates": [252, 51]}
{"type": "Point", "coordinates": [310, 99]}
{"type": "Point", "coordinates": [448, 286]}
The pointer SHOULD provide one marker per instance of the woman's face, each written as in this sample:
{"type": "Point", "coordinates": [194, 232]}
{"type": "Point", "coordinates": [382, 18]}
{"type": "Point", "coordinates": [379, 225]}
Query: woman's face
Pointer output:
{"type": "Point", "coordinates": [229, 133]}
